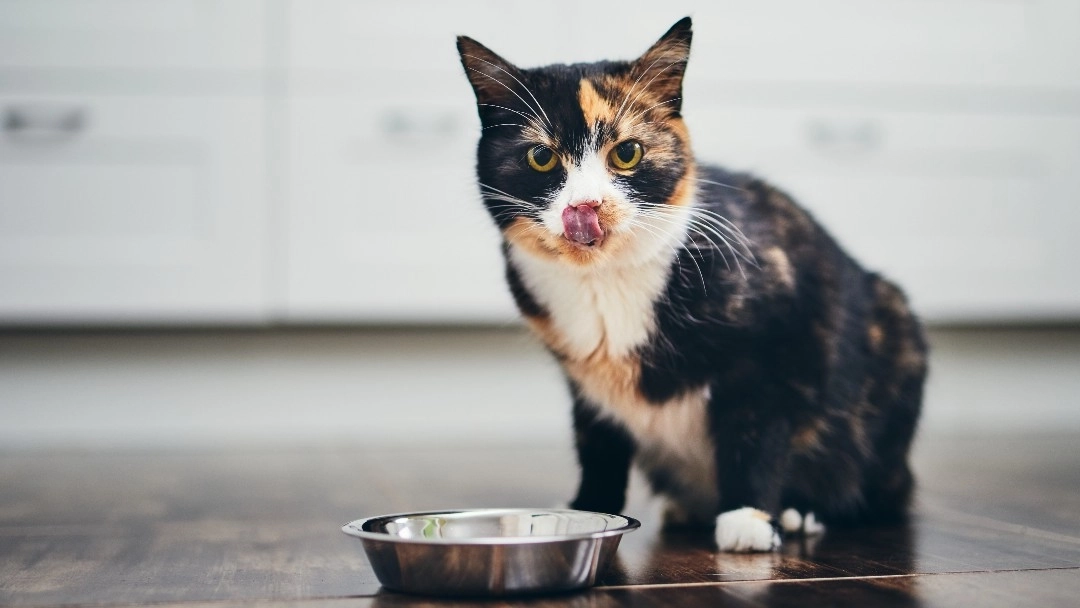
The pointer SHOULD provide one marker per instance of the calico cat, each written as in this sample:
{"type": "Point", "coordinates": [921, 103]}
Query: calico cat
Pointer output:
{"type": "Point", "coordinates": [710, 330]}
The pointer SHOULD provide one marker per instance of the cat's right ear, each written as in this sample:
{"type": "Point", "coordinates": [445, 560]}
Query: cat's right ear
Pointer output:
{"type": "Point", "coordinates": [493, 78]}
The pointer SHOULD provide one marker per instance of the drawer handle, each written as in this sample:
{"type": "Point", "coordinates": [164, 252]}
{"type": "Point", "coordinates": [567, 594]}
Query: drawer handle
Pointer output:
{"type": "Point", "coordinates": [405, 125]}
{"type": "Point", "coordinates": [842, 136]}
{"type": "Point", "coordinates": [45, 120]}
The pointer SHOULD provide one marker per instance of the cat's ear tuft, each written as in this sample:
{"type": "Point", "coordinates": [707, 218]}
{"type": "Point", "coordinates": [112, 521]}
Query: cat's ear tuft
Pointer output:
{"type": "Point", "coordinates": [493, 78]}
{"type": "Point", "coordinates": [664, 64]}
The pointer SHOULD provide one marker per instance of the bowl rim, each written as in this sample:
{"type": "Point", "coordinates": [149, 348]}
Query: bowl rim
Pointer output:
{"type": "Point", "coordinates": [355, 528]}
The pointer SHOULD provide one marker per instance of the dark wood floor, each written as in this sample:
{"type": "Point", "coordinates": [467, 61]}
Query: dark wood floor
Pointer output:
{"type": "Point", "coordinates": [997, 524]}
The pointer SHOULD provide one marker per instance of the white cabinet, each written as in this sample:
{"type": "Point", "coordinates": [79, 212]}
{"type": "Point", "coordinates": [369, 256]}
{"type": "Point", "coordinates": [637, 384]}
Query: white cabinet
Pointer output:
{"type": "Point", "coordinates": [975, 215]}
{"type": "Point", "coordinates": [132, 210]}
{"type": "Point", "coordinates": [382, 212]}
{"type": "Point", "coordinates": [850, 105]}
{"type": "Point", "coordinates": [299, 161]}
{"type": "Point", "coordinates": [133, 162]}
{"type": "Point", "coordinates": [384, 219]}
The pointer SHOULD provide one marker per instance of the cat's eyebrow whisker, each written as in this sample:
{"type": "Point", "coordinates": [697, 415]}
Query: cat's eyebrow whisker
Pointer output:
{"type": "Point", "coordinates": [512, 91]}
{"type": "Point", "coordinates": [646, 87]}
{"type": "Point", "coordinates": [632, 87]}
{"type": "Point", "coordinates": [518, 112]}
{"type": "Point", "coordinates": [501, 69]}
{"type": "Point", "coordinates": [533, 119]}
{"type": "Point", "coordinates": [642, 113]}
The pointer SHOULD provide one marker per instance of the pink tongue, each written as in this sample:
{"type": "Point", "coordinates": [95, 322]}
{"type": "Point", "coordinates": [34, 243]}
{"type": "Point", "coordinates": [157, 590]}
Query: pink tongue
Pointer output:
{"type": "Point", "coordinates": [581, 224]}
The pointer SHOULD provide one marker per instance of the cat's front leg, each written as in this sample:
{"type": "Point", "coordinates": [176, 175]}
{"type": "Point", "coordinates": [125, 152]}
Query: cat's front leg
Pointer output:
{"type": "Point", "coordinates": [604, 452]}
{"type": "Point", "coordinates": [751, 458]}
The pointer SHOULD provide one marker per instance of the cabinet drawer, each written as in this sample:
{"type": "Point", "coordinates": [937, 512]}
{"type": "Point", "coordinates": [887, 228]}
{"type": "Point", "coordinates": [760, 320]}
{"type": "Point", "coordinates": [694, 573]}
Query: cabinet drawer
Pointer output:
{"type": "Point", "coordinates": [184, 34]}
{"type": "Point", "coordinates": [975, 215]}
{"type": "Point", "coordinates": [384, 217]}
{"type": "Point", "coordinates": [131, 210]}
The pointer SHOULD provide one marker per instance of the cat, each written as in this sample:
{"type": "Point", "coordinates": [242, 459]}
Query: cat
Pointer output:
{"type": "Point", "coordinates": [710, 330]}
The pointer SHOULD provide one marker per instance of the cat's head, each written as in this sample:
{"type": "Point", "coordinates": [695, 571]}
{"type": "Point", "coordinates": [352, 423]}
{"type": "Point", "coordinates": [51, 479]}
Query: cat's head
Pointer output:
{"type": "Point", "coordinates": [589, 163]}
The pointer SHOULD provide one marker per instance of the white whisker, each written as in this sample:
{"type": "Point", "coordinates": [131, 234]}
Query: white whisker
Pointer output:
{"type": "Point", "coordinates": [720, 184]}
{"type": "Point", "coordinates": [631, 91]}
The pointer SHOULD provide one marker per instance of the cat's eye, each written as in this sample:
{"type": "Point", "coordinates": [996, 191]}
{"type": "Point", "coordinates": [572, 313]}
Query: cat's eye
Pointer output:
{"type": "Point", "coordinates": [542, 158]}
{"type": "Point", "coordinates": [627, 154]}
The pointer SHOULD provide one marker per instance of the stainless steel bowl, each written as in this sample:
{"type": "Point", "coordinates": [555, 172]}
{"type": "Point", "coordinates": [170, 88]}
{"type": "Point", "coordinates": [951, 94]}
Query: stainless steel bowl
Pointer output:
{"type": "Point", "coordinates": [490, 551]}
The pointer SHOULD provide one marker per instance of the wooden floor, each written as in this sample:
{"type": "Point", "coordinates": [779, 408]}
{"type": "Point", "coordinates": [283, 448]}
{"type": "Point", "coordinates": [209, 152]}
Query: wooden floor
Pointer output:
{"type": "Point", "coordinates": [997, 524]}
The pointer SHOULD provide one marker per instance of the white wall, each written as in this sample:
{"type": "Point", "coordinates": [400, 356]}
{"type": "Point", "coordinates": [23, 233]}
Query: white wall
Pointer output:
{"type": "Point", "coordinates": [152, 389]}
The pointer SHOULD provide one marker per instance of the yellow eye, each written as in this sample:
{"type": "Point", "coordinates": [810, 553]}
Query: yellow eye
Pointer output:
{"type": "Point", "coordinates": [542, 159]}
{"type": "Point", "coordinates": [627, 154]}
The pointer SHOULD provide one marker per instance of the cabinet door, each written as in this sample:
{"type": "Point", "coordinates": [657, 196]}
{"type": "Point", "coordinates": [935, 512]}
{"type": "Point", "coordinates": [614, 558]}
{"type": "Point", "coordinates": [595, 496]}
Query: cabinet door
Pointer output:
{"type": "Point", "coordinates": [974, 215]}
{"type": "Point", "coordinates": [131, 210]}
{"type": "Point", "coordinates": [385, 220]}
{"type": "Point", "coordinates": [155, 34]}
{"type": "Point", "coordinates": [383, 213]}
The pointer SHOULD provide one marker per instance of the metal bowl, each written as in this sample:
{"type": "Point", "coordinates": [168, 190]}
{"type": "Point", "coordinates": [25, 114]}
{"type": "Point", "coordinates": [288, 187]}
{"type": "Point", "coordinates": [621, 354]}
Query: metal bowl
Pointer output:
{"type": "Point", "coordinates": [490, 551]}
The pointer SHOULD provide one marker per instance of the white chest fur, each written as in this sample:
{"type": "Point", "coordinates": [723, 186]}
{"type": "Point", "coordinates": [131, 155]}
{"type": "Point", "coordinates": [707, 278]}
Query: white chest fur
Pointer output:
{"type": "Point", "coordinates": [597, 320]}
{"type": "Point", "coordinates": [610, 309]}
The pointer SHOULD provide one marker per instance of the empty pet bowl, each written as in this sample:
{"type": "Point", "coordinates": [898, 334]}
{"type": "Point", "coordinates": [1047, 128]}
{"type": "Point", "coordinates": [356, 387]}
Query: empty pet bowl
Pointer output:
{"type": "Point", "coordinates": [490, 551]}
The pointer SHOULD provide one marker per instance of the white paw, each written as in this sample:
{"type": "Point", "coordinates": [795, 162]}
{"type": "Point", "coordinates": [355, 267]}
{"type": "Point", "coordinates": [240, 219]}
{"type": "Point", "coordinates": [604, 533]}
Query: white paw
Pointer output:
{"type": "Point", "coordinates": [792, 522]}
{"type": "Point", "coordinates": [746, 529]}
{"type": "Point", "coordinates": [811, 526]}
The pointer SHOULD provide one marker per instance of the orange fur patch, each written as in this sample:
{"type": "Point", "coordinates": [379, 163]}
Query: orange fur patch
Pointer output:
{"type": "Point", "coordinates": [762, 515]}
{"type": "Point", "coordinates": [603, 378]}
{"type": "Point", "coordinates": [779, 267]}
{"type": "Point", "coordinates": [683, 194]}
{"type": "Point", "coordinates": [593, 106]}
{"type": "Point", "coordinates": [876, 336]}
{"type": "Point", "coordinates": [808, 438]}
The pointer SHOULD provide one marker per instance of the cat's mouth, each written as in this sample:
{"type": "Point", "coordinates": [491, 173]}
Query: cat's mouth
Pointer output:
{"type": "Point", "coordinates": [581, 224]}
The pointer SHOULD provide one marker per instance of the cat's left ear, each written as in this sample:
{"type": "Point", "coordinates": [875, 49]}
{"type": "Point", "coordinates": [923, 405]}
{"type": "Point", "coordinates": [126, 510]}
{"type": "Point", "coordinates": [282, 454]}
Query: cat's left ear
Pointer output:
{"type": "Point", "coordinates": [664, 64]}
{"type": "Point", "coordinates": [494, 79]}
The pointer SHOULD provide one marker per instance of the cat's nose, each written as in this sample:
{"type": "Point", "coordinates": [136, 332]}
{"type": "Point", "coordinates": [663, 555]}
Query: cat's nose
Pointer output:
{"type": "Point", "coordinates": [588, 203]}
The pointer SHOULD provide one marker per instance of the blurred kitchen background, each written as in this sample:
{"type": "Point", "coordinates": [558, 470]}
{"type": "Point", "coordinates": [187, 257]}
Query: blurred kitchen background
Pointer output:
{"type": "Point", "coordinates": [256, 220]}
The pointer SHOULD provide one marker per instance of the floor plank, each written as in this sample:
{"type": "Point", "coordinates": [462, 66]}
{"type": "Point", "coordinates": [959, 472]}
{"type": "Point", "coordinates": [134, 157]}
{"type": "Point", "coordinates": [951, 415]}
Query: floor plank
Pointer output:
{"type": "Point", "coordinates": [1047, 588]}
{"type": "Point", "coordinates": [262, 525]}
